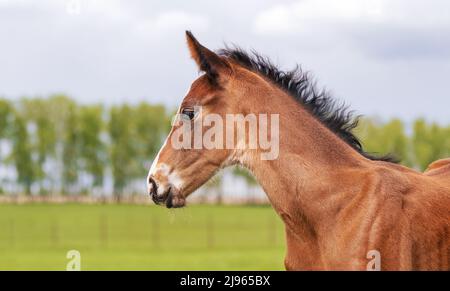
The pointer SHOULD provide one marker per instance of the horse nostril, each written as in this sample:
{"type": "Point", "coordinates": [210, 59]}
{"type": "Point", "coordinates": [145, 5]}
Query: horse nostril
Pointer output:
{"type": "Point", "coordinates": [152, 186]}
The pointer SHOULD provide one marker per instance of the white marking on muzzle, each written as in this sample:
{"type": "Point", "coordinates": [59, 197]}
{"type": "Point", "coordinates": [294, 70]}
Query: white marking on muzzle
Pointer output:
{"type": "Point", "coordinates": [175, 180]}
{"type": "Point", "coordinates": [164, 170]}
{"type": "Point", "coordinates": [155, 161]}
{"type": "Point", "coordinates": [154, 167]}
{"type": "Point", "coordinates": [160, 169]}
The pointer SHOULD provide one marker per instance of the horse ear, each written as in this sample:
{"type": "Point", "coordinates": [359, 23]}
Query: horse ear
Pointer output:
{"type": "Point", "coordinates": [216, 68]}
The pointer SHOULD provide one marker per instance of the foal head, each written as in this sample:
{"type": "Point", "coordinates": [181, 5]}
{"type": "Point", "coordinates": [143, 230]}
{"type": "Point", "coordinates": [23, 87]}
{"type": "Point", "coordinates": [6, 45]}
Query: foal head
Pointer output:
{"type": "Point", "coordinates": [178, 169]}
{"type": "Point", "coordinates": [236, 90]}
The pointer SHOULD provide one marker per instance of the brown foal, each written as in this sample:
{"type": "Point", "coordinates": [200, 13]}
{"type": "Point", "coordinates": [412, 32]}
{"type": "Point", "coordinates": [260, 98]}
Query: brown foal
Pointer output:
{"type": "Point", "coordinates": [339, 204]}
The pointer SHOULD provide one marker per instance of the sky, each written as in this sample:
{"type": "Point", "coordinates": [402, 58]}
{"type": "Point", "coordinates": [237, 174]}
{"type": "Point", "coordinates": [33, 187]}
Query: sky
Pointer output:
{"type": "Point", "coordinates": [386, 58]}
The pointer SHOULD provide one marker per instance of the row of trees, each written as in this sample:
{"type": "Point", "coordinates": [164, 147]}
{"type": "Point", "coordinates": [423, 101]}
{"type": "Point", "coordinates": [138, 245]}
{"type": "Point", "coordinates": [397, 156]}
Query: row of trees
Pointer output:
{"type": "Point", "coordinates": [55, 145]}
{"type": "Point", "coordinates": [415, 145]}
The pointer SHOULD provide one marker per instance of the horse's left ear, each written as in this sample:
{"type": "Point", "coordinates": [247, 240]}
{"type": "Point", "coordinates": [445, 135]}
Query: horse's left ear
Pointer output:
{"type": "Point", "coordinates": [216, 68]}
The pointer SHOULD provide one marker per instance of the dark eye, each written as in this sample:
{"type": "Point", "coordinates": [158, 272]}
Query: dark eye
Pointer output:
{"type": "Point", "coordinates": [188, 112]}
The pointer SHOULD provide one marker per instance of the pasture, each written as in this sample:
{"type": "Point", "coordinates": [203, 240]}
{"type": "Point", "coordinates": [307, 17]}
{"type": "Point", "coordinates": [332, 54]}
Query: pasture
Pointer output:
{"type": "Point", "coordinates": [140, 237]}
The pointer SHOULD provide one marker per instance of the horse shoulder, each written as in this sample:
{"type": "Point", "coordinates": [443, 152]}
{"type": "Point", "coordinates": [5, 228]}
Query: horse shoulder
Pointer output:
{"type": "Point", "coordinates": [440, 171]}
{"type": "Point", "coordinates": [438, 166]}
{"type": "Point", "coordinates": [413, 213]}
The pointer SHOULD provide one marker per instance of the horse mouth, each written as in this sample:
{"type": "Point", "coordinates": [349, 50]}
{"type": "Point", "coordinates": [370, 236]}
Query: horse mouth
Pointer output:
{"type": "Point", "coordinates": [171, 198]}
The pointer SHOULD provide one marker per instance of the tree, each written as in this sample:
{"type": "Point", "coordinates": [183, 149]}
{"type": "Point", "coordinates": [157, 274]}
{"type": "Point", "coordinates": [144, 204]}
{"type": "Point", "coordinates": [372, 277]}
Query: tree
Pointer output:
{"type": "Point", "coordinates": [122, 147]}
{"type": "Point", "coordinates": [5, 114]}
{"type": "Point", "coordinates": [61, 112]}
{"type": "Point", "coordinates": [430, 143]}
{"type": "Point", "coordinates": [70, 148]}
{"type": "Point", "coordinates": [21, 154]}
{"type": "Point", "coordinates": [92, 148]}
{"type": "Point", "coordinates": [151, 123]}
{"type": "Point", "coordinates": [37, 112]}
{"type": "Point", "coordinates": [385, 138]}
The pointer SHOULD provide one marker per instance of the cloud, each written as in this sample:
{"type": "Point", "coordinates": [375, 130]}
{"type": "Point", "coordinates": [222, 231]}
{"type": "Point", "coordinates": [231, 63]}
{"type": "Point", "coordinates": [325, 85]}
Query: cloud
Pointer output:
{"type": "Point", "coordinates": [369, 53]}
{"type": "Point", "coordinates": [381, 28]}
{"type": "Point", "coordinates": [178, 20]}
{"type": "Point", "coordinates": [173, 21]}
{"type": "Point", "coordinates": [117, 12]}
{"type": "Point", "coordinates": [299, 16]}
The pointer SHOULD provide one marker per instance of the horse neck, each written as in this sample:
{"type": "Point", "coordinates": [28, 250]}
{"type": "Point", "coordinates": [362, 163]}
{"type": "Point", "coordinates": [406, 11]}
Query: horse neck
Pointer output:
{"type": "Point", "coordinates": [312, 161]}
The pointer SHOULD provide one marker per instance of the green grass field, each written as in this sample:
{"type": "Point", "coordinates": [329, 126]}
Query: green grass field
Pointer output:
{"type": "Point", "coordinates": [140, 237]}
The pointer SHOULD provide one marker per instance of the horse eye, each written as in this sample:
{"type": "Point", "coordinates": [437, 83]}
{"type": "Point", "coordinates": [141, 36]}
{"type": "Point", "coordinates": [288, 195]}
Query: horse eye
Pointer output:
{"type": "Point", "coordinates": [188, 112]}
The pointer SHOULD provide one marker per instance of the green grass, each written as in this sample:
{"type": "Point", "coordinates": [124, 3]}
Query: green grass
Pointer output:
{"type": "Point", "coordinates": [140, 237]}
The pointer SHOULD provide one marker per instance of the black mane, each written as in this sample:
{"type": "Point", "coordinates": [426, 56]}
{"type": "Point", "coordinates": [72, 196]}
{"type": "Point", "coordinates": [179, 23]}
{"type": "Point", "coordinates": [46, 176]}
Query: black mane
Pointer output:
{"type": "Point", "coordinates": [298, 84]}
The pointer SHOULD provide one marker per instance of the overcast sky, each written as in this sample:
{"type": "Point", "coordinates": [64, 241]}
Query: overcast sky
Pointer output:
{"type": "Point", "coordinates": [383, 57]}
